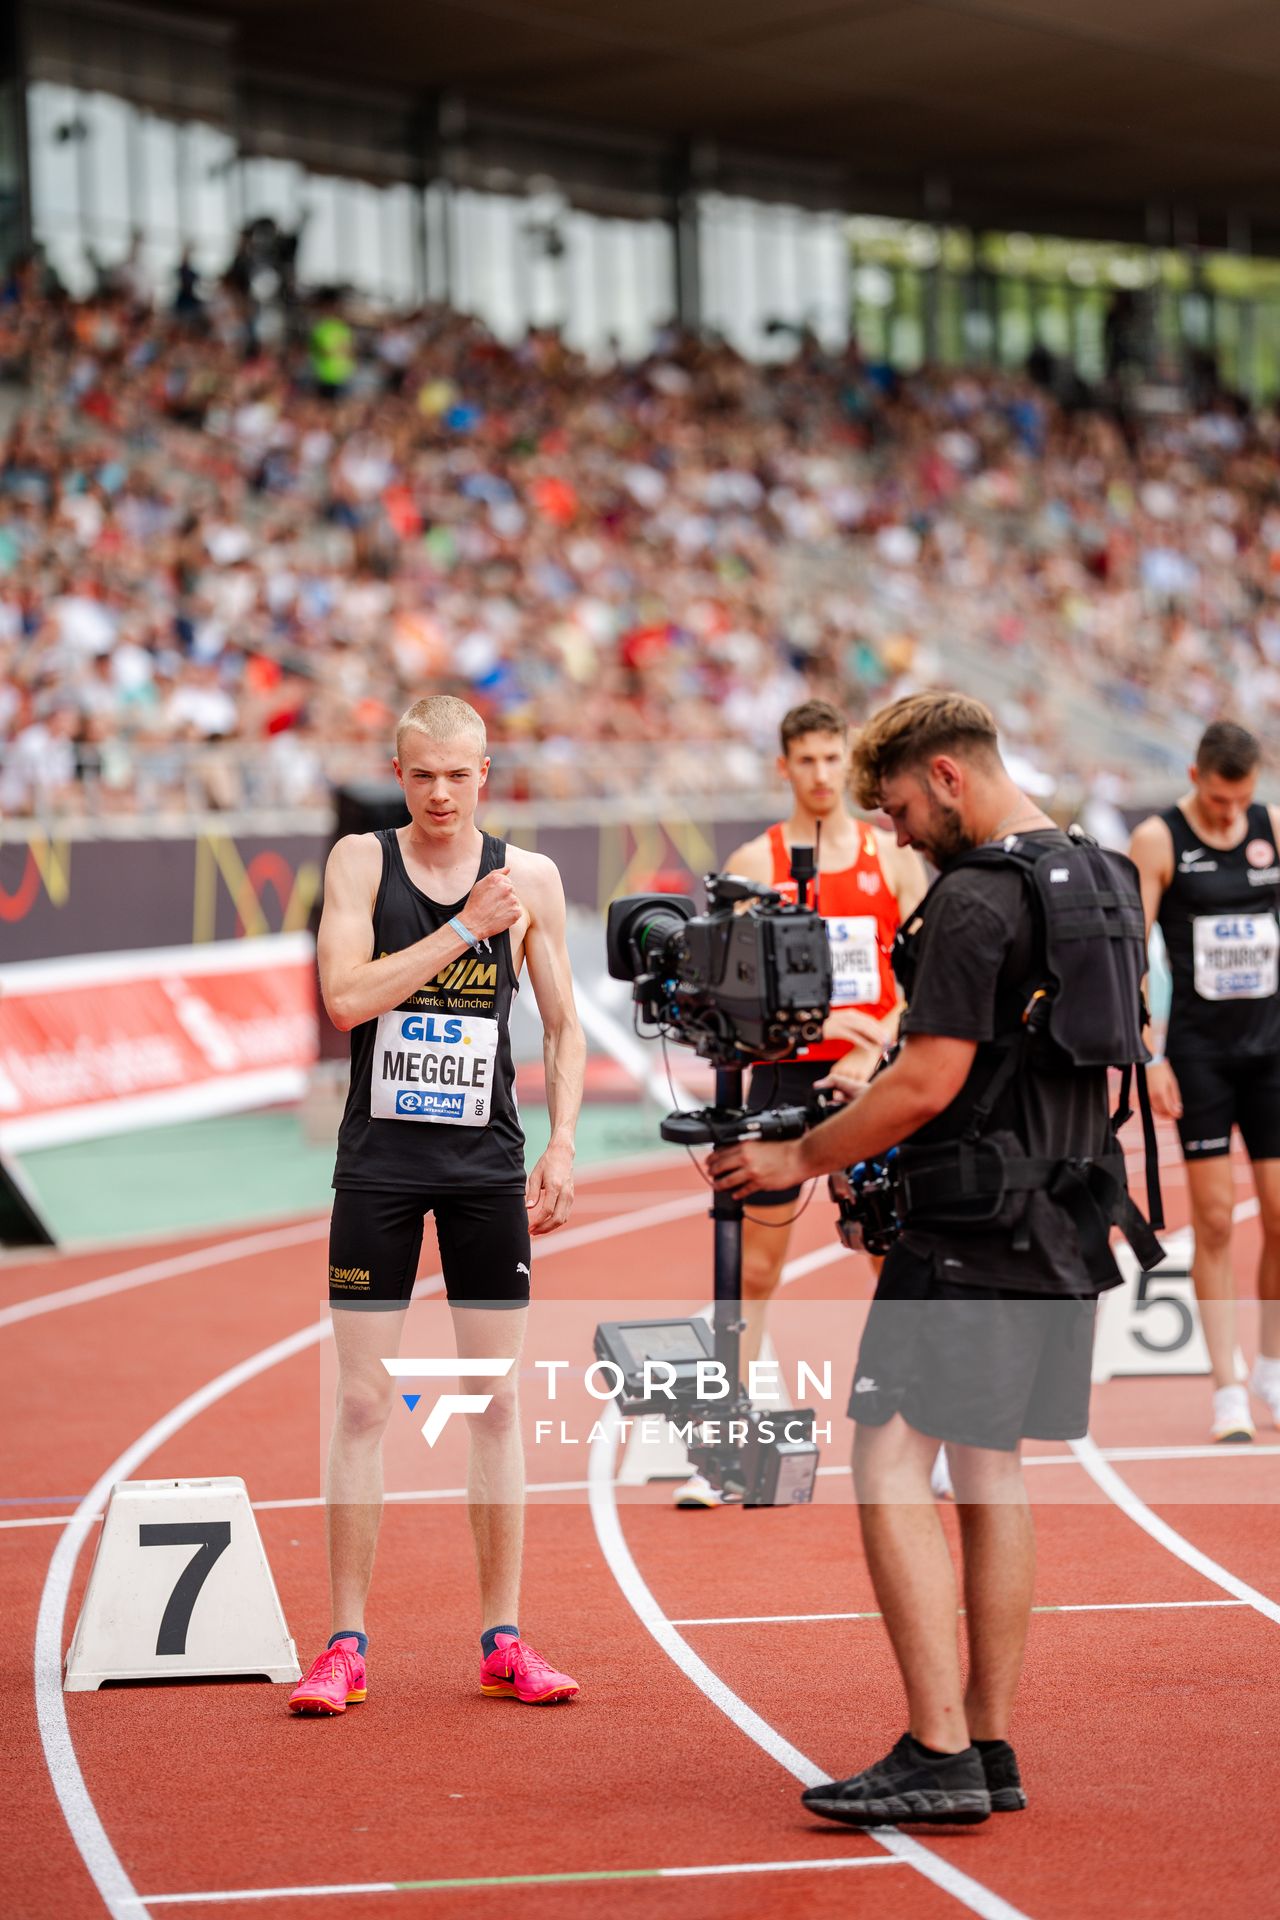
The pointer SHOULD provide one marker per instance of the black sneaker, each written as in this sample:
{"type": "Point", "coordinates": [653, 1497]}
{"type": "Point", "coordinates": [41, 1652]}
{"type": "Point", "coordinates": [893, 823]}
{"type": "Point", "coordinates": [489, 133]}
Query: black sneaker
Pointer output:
{"type": "Point", "coordinates": [1004, 1782]}
{"type": "Point", "coordinates": [908, 1784]}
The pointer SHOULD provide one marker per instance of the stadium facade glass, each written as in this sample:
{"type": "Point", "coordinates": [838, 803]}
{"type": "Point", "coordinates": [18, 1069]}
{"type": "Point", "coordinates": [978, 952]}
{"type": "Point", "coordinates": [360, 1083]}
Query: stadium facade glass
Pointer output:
{"type": "Point", "coordinates": [137, 132]}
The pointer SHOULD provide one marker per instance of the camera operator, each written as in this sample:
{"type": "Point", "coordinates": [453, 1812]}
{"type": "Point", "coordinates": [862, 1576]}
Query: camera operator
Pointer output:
{"type": "Point", "coordinates": [865, 887]}
{"type": "Point", "coordinates": [979, 1334]}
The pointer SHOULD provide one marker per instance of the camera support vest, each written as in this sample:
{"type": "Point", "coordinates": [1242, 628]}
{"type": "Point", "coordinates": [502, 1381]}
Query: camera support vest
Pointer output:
{"type": "Point", "coordinates": [1084, 1009]}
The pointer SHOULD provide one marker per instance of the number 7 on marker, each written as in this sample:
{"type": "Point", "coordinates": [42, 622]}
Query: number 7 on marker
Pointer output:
{"type": "Point", "coordinates": [213, 1537]}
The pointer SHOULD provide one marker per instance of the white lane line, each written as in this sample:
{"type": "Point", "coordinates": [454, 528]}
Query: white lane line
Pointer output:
{"type": "Point", "coordinates": [831, 1863]}
{"type": "Point", "coordinates": [567, 1237]}
{"type": "Point", "coordinates": [413, 1495]}
{"type": "Point", "coordinates": [604, 1512]}
{"type": "Point", "coordinates": [1252, 1452]}
{"type": "Point", "coordinates": [1133, 1606]}
{"type": "Point", "coordinates": [238, 1249]}
{"type": "Point", "coordinates": [141, 1902]}
{"type": "Point", "coordinates": [1105, 1476]}
{"type": "Point", "coordinates": [103, 1863]}
{"type": "Point", "coordinates": [312, 1228]}
{"type": "Point", "coordinates": [409, 1497]}
{"type": "Point", "coordinates": [1098, 1606]}
{"type": "Point", "coordinates": [118, 1893]}
{"type": "Point", "coordinates": [1209, 1452]}
{"type": "Point", "coordinates": [810, 1262]}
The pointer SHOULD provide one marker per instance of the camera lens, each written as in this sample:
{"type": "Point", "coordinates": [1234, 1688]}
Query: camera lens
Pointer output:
{"type": "Point", "coordinates": [641, 932]}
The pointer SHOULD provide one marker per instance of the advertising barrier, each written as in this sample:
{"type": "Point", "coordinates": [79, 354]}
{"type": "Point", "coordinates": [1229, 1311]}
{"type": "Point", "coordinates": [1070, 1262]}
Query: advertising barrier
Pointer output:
{"type": "Point", "coordinates": [75, 888]}
{"type": "Point", "coordinates": [97, 1045]}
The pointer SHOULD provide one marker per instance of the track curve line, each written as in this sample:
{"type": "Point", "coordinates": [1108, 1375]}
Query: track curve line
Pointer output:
{"type": "Point", "coordinates": [1122, 1495]}
{"type": "Point", "coordinates": [601, 1464]}
{"type": "Point", "coordinates": [1118, 1490]}
{"type": "Point", "coordinates": [243, 1247]}
{"type": "Point", "coordinates": [118, 1892]}
{"type": "Point", "coordinates": [288, 1233]}
{"type": "Point", "coordinates": [119, 1895]}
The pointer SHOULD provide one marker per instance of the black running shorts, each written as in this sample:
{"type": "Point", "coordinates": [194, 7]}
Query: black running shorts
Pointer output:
{"type": "Point", "coordinates": [978, 1366]}
{"type": "Point", "coordinates": [375, 1238]}
{"type": "Point", "coordinates": [789, 1083]}
{"type": "Point", "coordinates": [1219, 1092]}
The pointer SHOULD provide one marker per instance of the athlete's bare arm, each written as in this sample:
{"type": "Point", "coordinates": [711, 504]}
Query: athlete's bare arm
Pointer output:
{"type": "Point", "coordinates": [753, 860]}
{"type": "Point", "coordinates": [905, 872]}
{"type": "Point", "coordinates": [549, 1189]}
{"type": "Point", "coordinates": [1151, 850]}
{"type": "Point", "coordinates": [908, 882]}
{"type": "Point", "coordinates": [355, 986]}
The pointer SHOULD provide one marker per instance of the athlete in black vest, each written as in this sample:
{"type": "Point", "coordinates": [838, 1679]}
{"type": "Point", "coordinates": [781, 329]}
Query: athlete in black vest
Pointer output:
{"type": "Point", "coordinates": [424, 932]}
{"type": "Point", "coordinates": [1210, 870]}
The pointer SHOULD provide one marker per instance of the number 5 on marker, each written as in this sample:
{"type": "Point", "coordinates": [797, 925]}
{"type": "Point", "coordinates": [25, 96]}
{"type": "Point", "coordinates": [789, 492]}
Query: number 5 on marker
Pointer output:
{"type": "Point", "coordinates": [1149, 1325]}
{"type": "Point", "coordinates": [1184, 1324]}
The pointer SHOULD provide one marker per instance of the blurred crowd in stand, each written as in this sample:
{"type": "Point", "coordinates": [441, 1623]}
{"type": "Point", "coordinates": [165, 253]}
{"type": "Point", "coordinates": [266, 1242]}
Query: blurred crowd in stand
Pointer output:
{"type": "Point", "coordinates": [238, 536]}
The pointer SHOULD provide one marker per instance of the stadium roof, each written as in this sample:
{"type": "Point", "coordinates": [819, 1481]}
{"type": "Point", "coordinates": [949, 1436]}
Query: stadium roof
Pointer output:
{"type": "Point", "coordinates": [1150, 119]}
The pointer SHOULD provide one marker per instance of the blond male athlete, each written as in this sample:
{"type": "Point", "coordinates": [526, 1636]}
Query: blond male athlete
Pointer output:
{"type": "Point", "coordinates": [424, 933]}
{"type": "Point", "coordinates": [866, 886]}
{"type": "Point", "coordinates": [1210, 873]}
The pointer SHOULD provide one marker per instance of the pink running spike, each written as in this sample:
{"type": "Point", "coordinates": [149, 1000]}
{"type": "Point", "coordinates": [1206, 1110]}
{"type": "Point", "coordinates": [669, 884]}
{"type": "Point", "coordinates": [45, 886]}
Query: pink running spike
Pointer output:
{"type": "Point", "coordinates": [334, 1681]}
{"type": "Point", "coordinates": [514, 1671]}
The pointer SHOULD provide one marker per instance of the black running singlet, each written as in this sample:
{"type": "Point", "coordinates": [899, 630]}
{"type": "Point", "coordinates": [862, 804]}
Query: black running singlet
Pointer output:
{"type": "Point", "coordinates": [1219, 920]}
{"type": "Point", "coordinates": [432, 1098]}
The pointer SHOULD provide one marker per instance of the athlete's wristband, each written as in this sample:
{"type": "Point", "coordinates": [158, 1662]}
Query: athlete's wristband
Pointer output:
{"type": "Point", "coordinates": [465, 933]}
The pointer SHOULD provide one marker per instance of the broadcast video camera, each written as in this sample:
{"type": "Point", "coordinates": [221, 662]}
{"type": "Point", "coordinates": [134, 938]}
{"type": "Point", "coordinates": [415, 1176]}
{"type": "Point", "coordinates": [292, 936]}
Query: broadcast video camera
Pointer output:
{"type": "Point", "coordinates": [747, 981]}
{"type": "Point", "coordinates": [736, 986]}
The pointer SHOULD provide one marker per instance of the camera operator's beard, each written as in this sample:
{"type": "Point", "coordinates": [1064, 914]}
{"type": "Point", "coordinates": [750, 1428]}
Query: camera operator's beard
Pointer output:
{"type": "Point", "coordinates": [947, 836]}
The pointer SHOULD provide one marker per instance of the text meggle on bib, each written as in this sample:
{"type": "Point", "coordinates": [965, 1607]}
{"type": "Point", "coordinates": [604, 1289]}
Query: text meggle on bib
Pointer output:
{"type": "Point", "coordinates": [434, 1066]}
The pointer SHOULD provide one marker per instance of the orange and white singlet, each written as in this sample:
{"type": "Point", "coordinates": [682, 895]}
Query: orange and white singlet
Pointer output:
{"type": "Point", "coordinates": [861, 912]}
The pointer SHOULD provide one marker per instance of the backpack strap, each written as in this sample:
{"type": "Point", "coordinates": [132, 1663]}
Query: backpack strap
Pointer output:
{"type": "Point", "coordinates": [931, 1183]}
{"type": "Point", "coordinates": [1129, 1075]}
{"type": "Point", "coordinates": [1151, 1152]}
{"type": "Point", "coordinates": [1012, 1046]}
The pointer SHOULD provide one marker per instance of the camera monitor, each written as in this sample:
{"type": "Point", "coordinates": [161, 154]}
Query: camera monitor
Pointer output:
{"type": "Point", "coordinates": [674, 1347]}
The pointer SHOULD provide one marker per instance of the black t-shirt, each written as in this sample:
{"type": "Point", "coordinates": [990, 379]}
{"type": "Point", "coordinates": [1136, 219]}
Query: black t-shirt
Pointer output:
{"type": "Point", "coordinates": [977, 967]}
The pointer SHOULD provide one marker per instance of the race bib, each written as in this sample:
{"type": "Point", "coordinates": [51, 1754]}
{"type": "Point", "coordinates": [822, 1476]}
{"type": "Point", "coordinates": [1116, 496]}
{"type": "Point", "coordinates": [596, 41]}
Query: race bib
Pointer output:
{"type": "Point", "coordinates": [855, 961]}
{"type": "Point", "coordinates": [1236, 955]}
{"type": "Point", "coordinates": [434, 1066]}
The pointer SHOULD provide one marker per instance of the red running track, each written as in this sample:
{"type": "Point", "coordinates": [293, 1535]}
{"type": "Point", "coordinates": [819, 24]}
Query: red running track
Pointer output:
{"type": "Point", "coordinates": [1147, 1733]}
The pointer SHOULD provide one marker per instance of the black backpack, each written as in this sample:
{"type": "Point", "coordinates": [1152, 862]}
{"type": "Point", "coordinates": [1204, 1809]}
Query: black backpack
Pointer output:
{"type": "Point", "coordinates": [1085, 1010]}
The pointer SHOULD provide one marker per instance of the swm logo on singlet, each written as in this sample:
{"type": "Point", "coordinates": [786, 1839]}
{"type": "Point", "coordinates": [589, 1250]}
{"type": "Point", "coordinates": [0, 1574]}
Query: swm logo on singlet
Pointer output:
{"type": "Point", "coordinates": [466, 985]}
